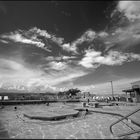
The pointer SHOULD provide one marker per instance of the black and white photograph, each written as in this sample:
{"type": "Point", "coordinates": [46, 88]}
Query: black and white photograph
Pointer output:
{"type": "Point", "coordinates": [70, 69]}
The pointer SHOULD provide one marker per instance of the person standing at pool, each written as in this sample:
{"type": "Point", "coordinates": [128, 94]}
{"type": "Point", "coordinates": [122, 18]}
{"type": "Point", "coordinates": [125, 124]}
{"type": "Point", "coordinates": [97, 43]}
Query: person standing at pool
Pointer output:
{"type": "Point", "coordinates": [84, 101]}
{"type": "Point", "coordinates": [88, 100]}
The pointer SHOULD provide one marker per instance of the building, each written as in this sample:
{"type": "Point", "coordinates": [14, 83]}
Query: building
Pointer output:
{"type": "Point", "coordinates": [133, 94]}
{"type": "Point", "coordinates": [28, 96]}
{"type": "Point", "coordinates": [136, 88]}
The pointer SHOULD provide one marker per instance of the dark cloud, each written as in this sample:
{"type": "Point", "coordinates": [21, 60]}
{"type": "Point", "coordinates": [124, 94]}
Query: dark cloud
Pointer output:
{"type": "Point", "coordinates": [52, 60]}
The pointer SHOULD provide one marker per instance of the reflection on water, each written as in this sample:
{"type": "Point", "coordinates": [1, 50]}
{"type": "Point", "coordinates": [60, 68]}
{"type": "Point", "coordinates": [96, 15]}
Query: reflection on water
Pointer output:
{"type": "Point", "coordinates": [90, 127]}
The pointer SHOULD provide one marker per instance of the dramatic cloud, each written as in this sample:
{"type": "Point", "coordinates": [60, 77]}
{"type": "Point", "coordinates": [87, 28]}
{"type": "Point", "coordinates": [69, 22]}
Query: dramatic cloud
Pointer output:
{"type": "Point", "coordinates": [52, 58]}
{"type": "Point", "coordinates": [39, 32]}
{"type": "Point", "coordinates": [32, 36]}
{"type": "Point", "coordinates": [57, 65]}
{"type": "Point", "coordinates": [88, 36]}
{"type": "Point", "coordinates": [93, 58]}
{"type": "Point", "coordinates": [3, 41]}
{"type": "Point", "coordinates": [103, 34]}
{"type": "Point", "coordinates": [131, 9]}
{"type": "Point", "coordinates": [14, 70]}
{"type": "Point", "coordinates": [17, 37]}
{"type": "Point", "coordinates": [68, 57]}
{"type": "Point", "coordinates": [44, 33]}
{"type": "Point", "coordinates": [69, 77]}
{"type": "Point", "coordinates": [14, 75]}
{"type": "Point", "coordinates": [18, 76]}
{"type": "Point", "coordinates": [68, 61]}
{"type": "Point", "coordinates": [60, 58]}
{"type": "Point", "coordinates": [69, 48]}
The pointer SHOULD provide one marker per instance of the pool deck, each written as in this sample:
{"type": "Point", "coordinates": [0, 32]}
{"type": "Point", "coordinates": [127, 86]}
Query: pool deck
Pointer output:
{"type": "Point", "coordinates": [52, 112]}
{"type": "Point", "coordinates": [121, 109]}
{"type": "Point", "coordinates": [113, 108]}
{"type": "Point", "coordinates": [3, 132]}
{"type": "Point", "coordinates": [51, 116]}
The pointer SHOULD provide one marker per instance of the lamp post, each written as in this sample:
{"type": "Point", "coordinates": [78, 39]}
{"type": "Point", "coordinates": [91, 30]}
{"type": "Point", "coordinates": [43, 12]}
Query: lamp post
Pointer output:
{"type": "Point", "coordinates": [112, 89]}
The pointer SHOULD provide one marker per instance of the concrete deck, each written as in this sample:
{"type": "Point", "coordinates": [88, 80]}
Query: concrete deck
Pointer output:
{"type": "Point", "coordinates": [52, 116]}
{"type": "Point", "coordinates": [118, 110]}
{"type": "Point", "coordinates": [84, 128]}
{"type": "Point", "coordinates": [3, 132]}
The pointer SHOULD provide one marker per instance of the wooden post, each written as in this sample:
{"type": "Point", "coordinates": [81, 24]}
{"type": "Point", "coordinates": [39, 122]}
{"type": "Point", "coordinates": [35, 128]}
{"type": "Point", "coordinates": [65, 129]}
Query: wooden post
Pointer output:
{"type": "Point", "coordinates": [126, 97]}
{"type": "Point", "coordinates": [112, 89]}
{"type": "Point", "coordinates": [2, 97]}
{"type": "Point", "coordinates": [135, 96]}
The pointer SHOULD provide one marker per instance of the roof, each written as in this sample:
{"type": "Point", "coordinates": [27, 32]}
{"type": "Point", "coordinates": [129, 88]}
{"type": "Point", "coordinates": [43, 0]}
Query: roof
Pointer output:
{"type": "Point", "coordinates": [8, 93]}
{"type": "Point", "coordinates": [136, 83]}
{"type": "Point", "coordinates": [128, 90]}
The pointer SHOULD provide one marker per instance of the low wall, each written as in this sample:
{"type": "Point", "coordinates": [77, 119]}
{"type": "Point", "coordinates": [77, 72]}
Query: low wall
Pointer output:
{"type": "Point", "coordinates": [18, 102]}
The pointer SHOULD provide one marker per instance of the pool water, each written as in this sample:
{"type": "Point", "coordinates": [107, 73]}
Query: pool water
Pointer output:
{"type": "Point", "coordinates": [93, 126]}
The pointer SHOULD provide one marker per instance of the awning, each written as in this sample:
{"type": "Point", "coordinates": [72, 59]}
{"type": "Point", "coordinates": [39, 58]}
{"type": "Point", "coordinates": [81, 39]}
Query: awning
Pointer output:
{"type": "Point", "coordinates": [128, 90]}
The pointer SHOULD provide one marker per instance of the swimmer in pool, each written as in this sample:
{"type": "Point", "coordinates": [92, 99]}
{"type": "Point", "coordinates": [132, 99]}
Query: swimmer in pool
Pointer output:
{"type": "Point", "coordinates": [15, 108]}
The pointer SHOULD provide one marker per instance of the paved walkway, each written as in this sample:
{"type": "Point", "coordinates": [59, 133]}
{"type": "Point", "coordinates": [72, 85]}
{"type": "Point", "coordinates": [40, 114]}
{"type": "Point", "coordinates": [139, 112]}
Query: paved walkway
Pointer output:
{"type": "Point", "coordinates": [3, 132]}
{"type": "Point", "coordinates": [51, 114]}
{"type": "Point", "coordinates": [120, 110]}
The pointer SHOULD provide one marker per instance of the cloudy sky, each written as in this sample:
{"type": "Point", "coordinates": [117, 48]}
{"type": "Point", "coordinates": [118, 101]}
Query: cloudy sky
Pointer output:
{"type": "Point", "coordinates": [55, 45]}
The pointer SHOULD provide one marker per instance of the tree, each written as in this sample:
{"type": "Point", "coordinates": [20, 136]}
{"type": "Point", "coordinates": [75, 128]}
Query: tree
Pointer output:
{"type": "Point", "coordinates": [72, 92]}
{"type": "Point", "coordinates": [60, 94]}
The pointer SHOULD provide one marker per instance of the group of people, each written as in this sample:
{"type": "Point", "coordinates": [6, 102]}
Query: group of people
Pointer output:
{"type": "Point", "coordinates": [101, 98]}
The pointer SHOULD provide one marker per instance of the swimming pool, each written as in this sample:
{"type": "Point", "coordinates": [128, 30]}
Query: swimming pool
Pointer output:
{"type": "Point", "coordinates": [93, 126]}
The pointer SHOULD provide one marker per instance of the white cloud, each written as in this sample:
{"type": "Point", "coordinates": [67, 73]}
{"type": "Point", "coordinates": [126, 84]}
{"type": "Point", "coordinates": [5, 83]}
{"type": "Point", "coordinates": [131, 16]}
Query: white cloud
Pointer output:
{"type": "Point", "coordinates": [40, 84]}
{"type": "Point", "coordinates": [68, 77]}
{"type": "Point", "coordinates": [103, 34]}
{"type": "Point", "coordinates": [87, 61]}
{"type": "Point", "coordinates": [40, 32]}
{"type": "Point", "coordinates": [126, 33]}
{"type": "Point", "coordinates": [70, 48]}
{"type": "Point", "coordinates": [59, 58]}
{"type": "Point", "coordinates": [68, 57]}
{"type": "Point", "coordinates": [88, 36]}
{"type": "Point", "coordinates": [51, 80]}
{"type": "Point", "coordinates": [17, 37]}
{"type": "Point", "coordinates": [58, 40]}
{"type": "Point", "coordinates": [9, 64]}
{"type": "Point", "coordinates": [31, 36]}
{"type": "Point", "coordinates": [94, 59]}
{"type": "Point", "coordinates": [68, 74]}
{"type": "Point", "coordinates": [87, 88]}
{"type": "Point", "coordinates": [3, 41]}
{"type": "Point", "coordinates": [57, 65]}
{"type": "Point", "coordinates": [15, 75]}
{"type": "Point", "coordinates": [52, 58]}
{"type": "Point", "coordinates": [124, 37]}
{"type": "Point", "coordinates": [15, 70]}
{"type": "Point", "coordinates": [131, 9]}
{"type": "Point", "coordinates": [44, 33]}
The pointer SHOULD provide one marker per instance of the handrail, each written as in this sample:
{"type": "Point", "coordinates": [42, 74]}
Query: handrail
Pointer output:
{"type": "Point", "coordinates": [129, 133]}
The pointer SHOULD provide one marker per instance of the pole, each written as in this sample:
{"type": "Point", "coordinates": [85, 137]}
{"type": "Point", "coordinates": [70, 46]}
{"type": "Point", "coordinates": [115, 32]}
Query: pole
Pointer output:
{"type": "Point", "coordinates": [112, 89]}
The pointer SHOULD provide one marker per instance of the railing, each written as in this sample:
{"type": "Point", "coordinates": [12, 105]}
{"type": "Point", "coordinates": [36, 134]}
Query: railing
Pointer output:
{"type": "Point", "coordinates": [129, 133]}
